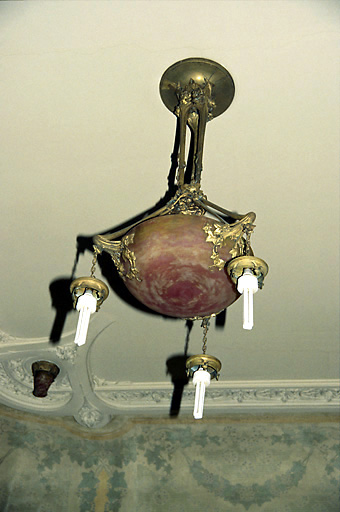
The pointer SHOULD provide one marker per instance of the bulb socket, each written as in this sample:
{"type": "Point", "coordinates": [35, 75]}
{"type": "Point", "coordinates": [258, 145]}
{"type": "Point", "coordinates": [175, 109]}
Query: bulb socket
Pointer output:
{"type": "Point", "coordinates": [98, 288]}
{"type": "Point", "coordinates": [237, 266]}
{"type": "Point", "coordinates": [209, 363]}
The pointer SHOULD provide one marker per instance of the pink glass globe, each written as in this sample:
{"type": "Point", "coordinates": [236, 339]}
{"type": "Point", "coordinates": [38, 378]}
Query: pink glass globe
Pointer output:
{"type": "Point", "coordinates": [173, 260]}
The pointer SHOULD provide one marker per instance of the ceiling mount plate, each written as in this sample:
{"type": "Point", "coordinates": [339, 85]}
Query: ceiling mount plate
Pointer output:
{"type": "Point", "coordinates": [198, 69]}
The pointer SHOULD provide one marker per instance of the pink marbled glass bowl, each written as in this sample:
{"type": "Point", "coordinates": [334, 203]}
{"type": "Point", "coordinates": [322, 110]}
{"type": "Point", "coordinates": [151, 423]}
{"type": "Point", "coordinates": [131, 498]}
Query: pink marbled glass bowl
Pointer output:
{"type": "Point", "coordinates": [173, 260]}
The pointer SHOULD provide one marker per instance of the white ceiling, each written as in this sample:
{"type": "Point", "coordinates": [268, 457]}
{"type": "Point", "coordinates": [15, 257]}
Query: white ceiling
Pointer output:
{"type": "Point", "coordinates": [86, 145]}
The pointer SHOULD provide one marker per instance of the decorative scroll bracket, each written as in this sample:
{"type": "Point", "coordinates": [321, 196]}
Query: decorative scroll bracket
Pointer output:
{"type": "Point", "coordinates": [120, 253]}
{"type": "Point", "coordinates": [219, 234]}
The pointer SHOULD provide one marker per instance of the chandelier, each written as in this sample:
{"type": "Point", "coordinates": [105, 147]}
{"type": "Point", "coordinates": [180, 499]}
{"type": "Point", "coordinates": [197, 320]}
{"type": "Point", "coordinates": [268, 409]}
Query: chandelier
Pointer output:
{"type": "Point", "coordinates": [190, 259]}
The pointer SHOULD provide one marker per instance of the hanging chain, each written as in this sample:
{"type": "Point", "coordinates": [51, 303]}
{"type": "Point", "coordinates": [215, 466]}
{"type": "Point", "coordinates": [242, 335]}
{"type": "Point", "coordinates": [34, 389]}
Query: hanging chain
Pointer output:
{"type": "Point", "coordinates": [96, 251]}
{"type": "Point", "coordinates": [205, 325]}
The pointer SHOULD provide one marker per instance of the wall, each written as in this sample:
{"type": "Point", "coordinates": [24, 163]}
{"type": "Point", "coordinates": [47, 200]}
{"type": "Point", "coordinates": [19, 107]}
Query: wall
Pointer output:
{"type": "Point", "coordinates": [236, 464]}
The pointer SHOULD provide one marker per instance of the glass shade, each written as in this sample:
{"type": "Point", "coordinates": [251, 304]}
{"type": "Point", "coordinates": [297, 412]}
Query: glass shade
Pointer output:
{"type": "Point", "coordinates": [173, 260]}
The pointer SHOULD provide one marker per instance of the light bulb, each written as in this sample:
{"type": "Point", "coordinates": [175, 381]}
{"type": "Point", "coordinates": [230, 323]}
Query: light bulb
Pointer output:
{"type": "Point", "coordinates": [201, 379]}
{"type": "Point", "coordinates": [247, 284]}
{"type": "Point", "coordinates": [86, 304]}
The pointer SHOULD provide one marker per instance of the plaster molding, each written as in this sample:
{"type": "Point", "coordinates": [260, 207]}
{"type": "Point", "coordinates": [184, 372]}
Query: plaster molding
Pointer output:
{"type": "Point", "coordinates": [89, 416]}
{"type": "Point", "coordinates": [7, 338]}
{"type": "Point", "coordinates": [17, 392]}
{"type": "Point", "coordinates": [21, 370]}
{"type": "Point", "coordinates": [93, 400]}
{"type": "Point", "coordinates": [254, 394]}
{"type": "Point", "coordinates": [23, 343]}
{"type": "Point", "coordinates": [66, 352]}
{"type": "Point", "coordinates": [16, 368]}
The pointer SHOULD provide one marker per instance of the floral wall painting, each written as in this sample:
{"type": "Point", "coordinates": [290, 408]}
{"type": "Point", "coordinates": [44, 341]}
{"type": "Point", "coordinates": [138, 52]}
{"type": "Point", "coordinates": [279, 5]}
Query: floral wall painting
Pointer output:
{"type": "Point", "coordinates": [238, 464]}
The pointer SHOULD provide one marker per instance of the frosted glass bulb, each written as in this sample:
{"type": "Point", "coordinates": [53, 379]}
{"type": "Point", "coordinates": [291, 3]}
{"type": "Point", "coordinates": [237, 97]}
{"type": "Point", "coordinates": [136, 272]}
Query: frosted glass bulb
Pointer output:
{"type": "Point", "coordinates": [247, 284]}
{"type": "Point", "coordinates": [201, 379]}
{"type": "Point", "coordinates": [86, 304]}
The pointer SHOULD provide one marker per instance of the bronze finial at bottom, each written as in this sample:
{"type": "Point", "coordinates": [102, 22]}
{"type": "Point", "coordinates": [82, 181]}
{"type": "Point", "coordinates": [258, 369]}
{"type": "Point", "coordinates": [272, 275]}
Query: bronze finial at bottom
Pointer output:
{"type": "Point", "coordinates": [44, 374]}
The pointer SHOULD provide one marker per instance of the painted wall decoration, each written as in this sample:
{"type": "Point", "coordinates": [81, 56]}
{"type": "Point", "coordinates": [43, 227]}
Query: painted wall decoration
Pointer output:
{"type": "Point", "coordinates": [238, 464]}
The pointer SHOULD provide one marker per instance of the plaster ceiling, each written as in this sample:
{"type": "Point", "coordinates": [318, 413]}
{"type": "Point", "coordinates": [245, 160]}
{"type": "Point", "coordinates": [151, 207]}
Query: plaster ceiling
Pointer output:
{"type": "Point", "coordinates": [86, 146]}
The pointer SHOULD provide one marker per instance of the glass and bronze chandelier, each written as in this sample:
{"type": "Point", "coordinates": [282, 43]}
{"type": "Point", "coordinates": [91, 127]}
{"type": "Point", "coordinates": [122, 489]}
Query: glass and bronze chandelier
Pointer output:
{"type": "Point", "coordinates": [191, 259]}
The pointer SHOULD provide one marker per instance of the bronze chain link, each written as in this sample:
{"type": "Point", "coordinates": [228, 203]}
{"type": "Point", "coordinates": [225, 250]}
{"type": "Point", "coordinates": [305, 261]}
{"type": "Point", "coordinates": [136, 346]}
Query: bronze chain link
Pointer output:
{"type": "Point", "coordinates": [205, 325]}
{"type": "Point", "coordinates": [96, 251]}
